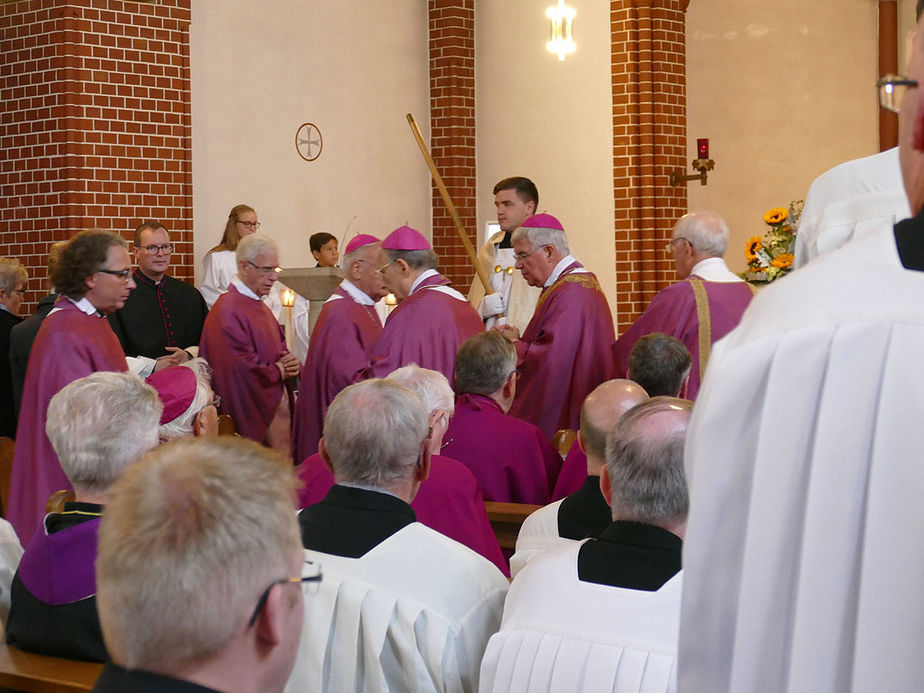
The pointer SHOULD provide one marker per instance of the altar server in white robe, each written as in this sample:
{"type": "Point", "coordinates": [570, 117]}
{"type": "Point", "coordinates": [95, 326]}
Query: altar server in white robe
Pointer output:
{"type": "Point", "coordinates": [401, 607]}
{"type": "Point", "coordinates": [804, 562]}
{"type": "Point", "coordinates": [852, 199]}
{"type": "Point", "coordinates": [603, 614]}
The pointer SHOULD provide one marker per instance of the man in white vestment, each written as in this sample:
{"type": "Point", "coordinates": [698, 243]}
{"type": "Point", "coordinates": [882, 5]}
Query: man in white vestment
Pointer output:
{"type": "Point", "coordinates": [804, 561]}
{"type": "Point", "coordinates": [850, 200]}
{"type": "Point", "coordinates": [603, 614]}
{"type": "Point", "coordinates": [401, 607]}
{"type": "Point", "coordinates": [584, 513]}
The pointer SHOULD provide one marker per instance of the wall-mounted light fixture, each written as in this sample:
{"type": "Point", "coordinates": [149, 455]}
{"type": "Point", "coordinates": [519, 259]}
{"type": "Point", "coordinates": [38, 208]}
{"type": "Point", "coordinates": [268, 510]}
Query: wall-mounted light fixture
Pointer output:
{"type": "Point", "coordinates": [701, 163]}
{"type": "Point", "coordinates": [561, 30]}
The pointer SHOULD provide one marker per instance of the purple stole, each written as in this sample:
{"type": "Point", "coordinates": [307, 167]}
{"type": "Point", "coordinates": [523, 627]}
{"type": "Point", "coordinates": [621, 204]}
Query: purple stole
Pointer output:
{"type": "Point", "coordinates": [60, 568]}
{"type": "Point", "coordinates": [573, 473]}
{"type": "Point", "coordinates": [70, 344]}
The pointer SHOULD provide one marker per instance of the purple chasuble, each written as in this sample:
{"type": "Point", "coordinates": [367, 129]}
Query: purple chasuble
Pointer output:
{"type": "Point", "coordinates": [449, 502]}
{"type": "Point", "coordinates": [564, 353]}
{"type": "Point", "coordinates": [511, 459]}
{"type": "Point", "coordinates": [60, 568]}
{"type": "Point", "coordinates": [70, 344]}
{"type": "Point", "coordinates": [427, 328]}
{"type": "Point", "coordinates": [573, 473]}
{"type": "Point", "coordinates": [673, 311]}
{"type": "Point", "coordinates": [242, 341]}
{"type": "Point", "coordinates": [341, 344]}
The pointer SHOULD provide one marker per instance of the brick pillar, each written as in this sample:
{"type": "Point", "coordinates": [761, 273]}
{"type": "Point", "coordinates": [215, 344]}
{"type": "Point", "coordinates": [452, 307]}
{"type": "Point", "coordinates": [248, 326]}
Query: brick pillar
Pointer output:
{"type": "Point", "coordinates": [452, 130]}
{"type": "Point", "coordinates": [649, 141]}
{"type": "Point", "coordinates": [94, 124]}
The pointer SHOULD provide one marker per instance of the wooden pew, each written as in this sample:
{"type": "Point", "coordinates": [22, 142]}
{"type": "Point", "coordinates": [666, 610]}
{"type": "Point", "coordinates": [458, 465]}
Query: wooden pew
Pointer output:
{"type": "Point", "coordinates": [35, 673]}
{"type": "Point", "coordinates": [506, 520]}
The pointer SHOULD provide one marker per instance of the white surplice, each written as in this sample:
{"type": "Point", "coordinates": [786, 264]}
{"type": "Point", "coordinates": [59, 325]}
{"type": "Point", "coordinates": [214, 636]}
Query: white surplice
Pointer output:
{"type": "Point", "coordinates": [561, 635]}
{"type": "Point", "coordinates": [413, 614]}
{"type": "Point", "coordinates": [803, 555]}
{"type": "Point", "coordinates": [537, 536]}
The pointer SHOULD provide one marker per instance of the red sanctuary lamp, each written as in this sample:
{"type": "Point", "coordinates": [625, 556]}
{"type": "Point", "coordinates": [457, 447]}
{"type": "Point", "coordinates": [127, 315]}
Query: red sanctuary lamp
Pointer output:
{"type": "Point", "coordinates": [701, 163]}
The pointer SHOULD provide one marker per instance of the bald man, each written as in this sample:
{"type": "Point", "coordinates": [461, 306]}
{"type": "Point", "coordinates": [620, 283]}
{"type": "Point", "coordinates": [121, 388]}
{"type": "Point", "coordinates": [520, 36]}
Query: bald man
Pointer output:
{"type": "Point", "coordinates": [701, 309]}
{"type": "Point", "coordinates": [585, 513]}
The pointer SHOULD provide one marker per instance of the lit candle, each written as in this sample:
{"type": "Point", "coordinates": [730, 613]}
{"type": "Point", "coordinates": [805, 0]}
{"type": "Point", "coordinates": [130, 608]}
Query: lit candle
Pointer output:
{"type": "Point", "coordinates": [288, 301]}
{"type": "Point", "coordinates": [702, 148]}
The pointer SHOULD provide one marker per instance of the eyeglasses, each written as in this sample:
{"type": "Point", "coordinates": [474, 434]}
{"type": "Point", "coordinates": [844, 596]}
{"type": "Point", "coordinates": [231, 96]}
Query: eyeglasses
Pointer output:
{"type": "Point", "coordinates": [216, 402]}
{"type": "Point", "coordinates": [522, 256]}
{"type": "Point", "coordinates": [166, 249]}
{"type": "Point", "coordinates": [263, 270]}
{"type": "Point", "coordinates": [250, 224]}
{"type": "Point", "coordinates": [892, 89]}
{"type": "Point", "coordinates": [670, 246]}
{"type": "Point", "coordinates": [381, 270]}
{"type": "Point", "coordinates": [123, 274]}
{"type": "Point", "coordinates": [261, 602]}
{"type": "Point", "coordinates": [21, 292]}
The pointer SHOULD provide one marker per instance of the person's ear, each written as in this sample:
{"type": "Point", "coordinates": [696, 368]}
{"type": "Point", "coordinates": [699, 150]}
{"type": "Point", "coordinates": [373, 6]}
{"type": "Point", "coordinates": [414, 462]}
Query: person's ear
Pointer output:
{"type": "Point", "coordinates": [322, 451]}
{"type": "Point", "coordinates": [605, 487]}
{"type": "Point", "coordinates": [580, 442]}
{"type": "Point", "coordinates": [509, 390]}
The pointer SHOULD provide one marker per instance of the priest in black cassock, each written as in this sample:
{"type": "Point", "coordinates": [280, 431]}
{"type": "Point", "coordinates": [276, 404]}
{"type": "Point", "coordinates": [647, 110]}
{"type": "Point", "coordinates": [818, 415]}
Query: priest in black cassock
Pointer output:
{"type": "Point", "coordinates": [162, 315]}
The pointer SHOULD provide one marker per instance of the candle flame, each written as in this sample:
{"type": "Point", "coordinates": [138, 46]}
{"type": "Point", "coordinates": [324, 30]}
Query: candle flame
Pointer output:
{"type": "Point", "coordinates": [288, 298]}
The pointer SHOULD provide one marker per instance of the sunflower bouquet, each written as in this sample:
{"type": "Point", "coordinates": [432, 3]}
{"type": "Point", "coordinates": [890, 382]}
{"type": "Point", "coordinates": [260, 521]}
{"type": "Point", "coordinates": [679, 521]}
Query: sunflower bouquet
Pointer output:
{"type": "Point", "coordinates": [770, 256]}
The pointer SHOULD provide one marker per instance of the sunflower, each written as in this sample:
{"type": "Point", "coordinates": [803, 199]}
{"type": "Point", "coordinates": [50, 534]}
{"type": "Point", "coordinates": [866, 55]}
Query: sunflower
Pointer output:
{"type": "Point", "coordinates": [775, 216]}
{"type": "Point", "coordinates": [751, 247]}
{"type": "Point", "coordinates": [782, 260]}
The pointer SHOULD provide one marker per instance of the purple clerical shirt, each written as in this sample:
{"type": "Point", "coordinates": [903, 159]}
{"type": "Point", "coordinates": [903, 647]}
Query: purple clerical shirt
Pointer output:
{"type": "Point", "coordinates": [340, 345]}
{"type": "Point", "coordinates": [565, 352]}
{"type": "Point", "coordinates": [242, 341]}
{"type": "Point", "coordinates": [449, 501]}
{"type": "Point", "coordinates": [427, 328]}
{"type": "Point", "coordinates": [673, 311]}
{"type": "Point", "coordinates": [70, 344]}
{"type": "Point", "coordinates": [511, 459]}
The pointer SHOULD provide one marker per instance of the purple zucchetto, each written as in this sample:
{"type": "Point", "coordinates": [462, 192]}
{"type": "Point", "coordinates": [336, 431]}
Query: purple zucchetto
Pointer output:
{"type": "Point", "coordinates": [542, 221]}
{"type": "Point", "coordinates": [405, 238]}
{"type": "Point", "coordinates": [359, 241]}
{"type": "Point", "coordinates": [176, 387]}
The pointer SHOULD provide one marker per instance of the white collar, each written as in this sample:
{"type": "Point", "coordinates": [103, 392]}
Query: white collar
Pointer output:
{"type": "Point", "coordinates": [244, 289]}
{"type": "Point", "coordinates": [714, 269]}
{"type": "Point", "coordinates": [85, 306]}
{"type": "Point", "coordinates": [426, 274]}
{"type": "Point", "coordinates": [356, 293]}
{"type": "Point", "coordinates": [559, 268]}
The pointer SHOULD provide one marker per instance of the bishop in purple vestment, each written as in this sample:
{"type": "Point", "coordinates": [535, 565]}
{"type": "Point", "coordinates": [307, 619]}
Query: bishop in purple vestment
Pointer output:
{"type": "Point", "coordinates": [93, 279]}
{"type": "Point", "coordinates": [701, 309]}
{"type": "Point", "coordinates": [511, 458]}
{"type": "Point", "coordinates": [341, 342]}
{"type": "Point", "coordinates": [246, 348]}
{"type": "Point", "coordinates": [431, 320]}
{"type": "Point", "coordinates": [565, 351]}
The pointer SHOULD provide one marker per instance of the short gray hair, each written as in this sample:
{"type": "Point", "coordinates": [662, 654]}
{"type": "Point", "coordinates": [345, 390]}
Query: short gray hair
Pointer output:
{"type": "Point", "coordinates": [706, 231]}
{"type": "Point", "coordinates": [183, 424]}
{"type": "Point", "coordinates": [539, 238]}
{"type": "Point", "coordinates": [484, 362]}
{"type": "Point", "coordinates": [431, 386]}
{"type": "Point", "coordinates": [659, 363]}
{"type": "Point", "coordinates": [373, 432]}
{"type": "Point", "coordinates": [416, 259]}
{"type": "Point", "coordinates": [644, 461]}
{"type": "Point", "coordinates": [191, 536]}
{"type": "Point", "coordinates": [11, 273]}
{"type": "Point", "coordinates": [256, 243]}
{"type": "Point", "coordinates": [100, 424]}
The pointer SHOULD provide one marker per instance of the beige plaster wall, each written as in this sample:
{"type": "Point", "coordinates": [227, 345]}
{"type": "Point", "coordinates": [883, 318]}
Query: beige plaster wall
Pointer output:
{"type": "Point", "coordinates": [784, 90]}
{"type": "Point", "coordinates": [259, 70]}
{"type": "Point", "coordinates": [548, 120]}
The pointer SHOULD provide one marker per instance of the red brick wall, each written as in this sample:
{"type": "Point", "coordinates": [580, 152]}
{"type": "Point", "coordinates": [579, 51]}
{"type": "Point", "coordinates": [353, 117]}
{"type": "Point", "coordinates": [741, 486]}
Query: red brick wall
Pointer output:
{"type": "Point", "coordinates": [452, 130]}
{"type": "Point", "coordinates": [649, 141]}
{"type": "Point", "coordinates": [94, 124]}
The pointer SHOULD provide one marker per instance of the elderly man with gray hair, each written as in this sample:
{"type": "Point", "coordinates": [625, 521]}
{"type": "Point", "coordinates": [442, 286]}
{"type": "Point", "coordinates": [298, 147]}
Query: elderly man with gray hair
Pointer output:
{"type": "Point", "coordinates": [200, 571]}
{"type": "Point", "coordinates": [402, 607]}
{"type": "Point", "coordinates": [98, 425]}
{"type": "Point", "coordinates": [13, 278]}
{"type": "Point", "coordinates": [701, 309]}
{"type": "Point", "coordinates": [614, 619]}
{"type": "Point", "coordinates": [246, 347]}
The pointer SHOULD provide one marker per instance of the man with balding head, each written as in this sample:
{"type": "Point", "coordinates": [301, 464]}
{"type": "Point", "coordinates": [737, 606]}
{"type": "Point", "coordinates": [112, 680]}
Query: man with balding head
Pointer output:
{"type": "Point", "coordinates": [702, 308]}
{"type": "Point", "coordinates": [613, 621]}
{"type": "Point", "coordinates": [341, 342]}
{"type": "Point", "coordinates": [584, 513]}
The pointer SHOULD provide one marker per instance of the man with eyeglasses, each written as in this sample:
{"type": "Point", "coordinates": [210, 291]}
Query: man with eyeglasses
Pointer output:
{"type": "Point", "coordinates": [699, 310]}
{"type": "Point", "coordinates": [163, 316]}
{"type": "Point", "coordinates": [254, 371]}
{"type": "Point", "coordinates": [93, 279]}
{"type": "Point", "coordinates": [401, 607]}
{"type": "Point", "coordinates": [200, 571]}
{"type": "Point", "coordinates": [803, 558]}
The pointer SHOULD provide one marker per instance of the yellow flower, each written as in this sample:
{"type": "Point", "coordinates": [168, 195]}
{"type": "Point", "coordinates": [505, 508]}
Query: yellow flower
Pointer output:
{"type": "Point", "coordinates": [751, 247]}
{"type": "Point", "coordinates": [782, 260]}
{"type": "Point", "coordinates": [775, 216]}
